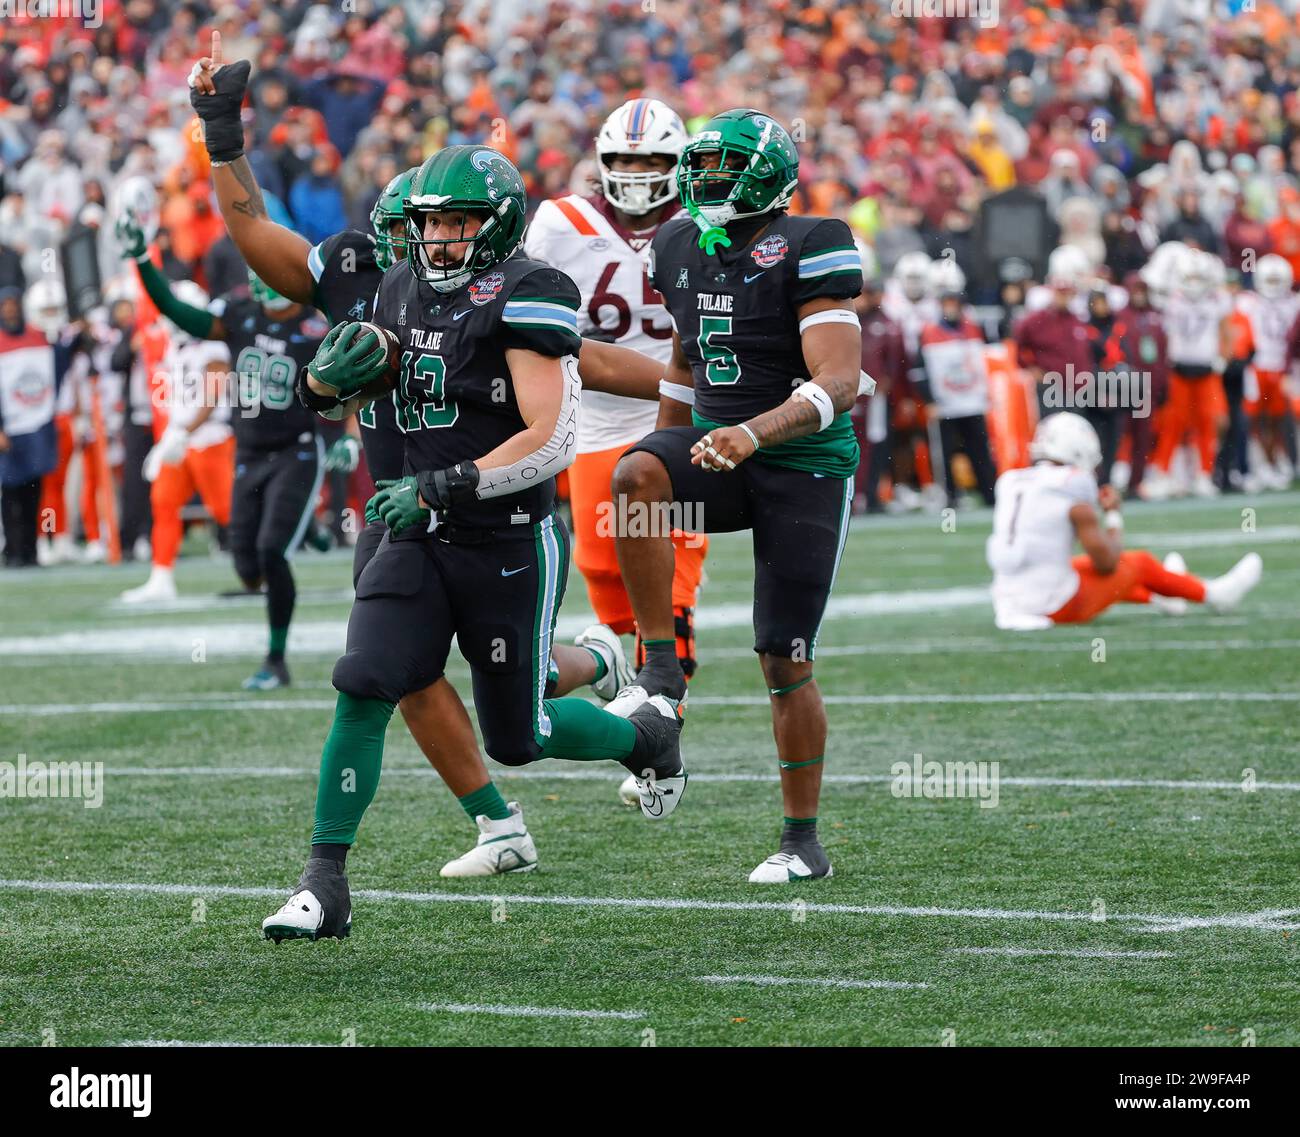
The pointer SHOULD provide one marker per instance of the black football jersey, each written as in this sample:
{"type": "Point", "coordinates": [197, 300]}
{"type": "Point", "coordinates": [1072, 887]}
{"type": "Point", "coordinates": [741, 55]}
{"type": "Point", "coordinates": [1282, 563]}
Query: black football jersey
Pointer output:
{"type": "Point", "coordinates": [737, 315]}
{"type": "Point", "coordinates": [455, 400]}
{"type": "Point", "coordinates": [347, 279]}
{"type": "Point", "coordinates": [267, 354]}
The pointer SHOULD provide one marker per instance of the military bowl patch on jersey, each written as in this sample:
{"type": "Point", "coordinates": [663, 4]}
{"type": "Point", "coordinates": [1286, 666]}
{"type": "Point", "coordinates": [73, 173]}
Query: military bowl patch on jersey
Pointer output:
{"type": "Point", "coordinates": [770, 251]}
{"type": "Point", "coordinates": [487, 288]}
{"type": "Point", "coordinates": [315, 327]}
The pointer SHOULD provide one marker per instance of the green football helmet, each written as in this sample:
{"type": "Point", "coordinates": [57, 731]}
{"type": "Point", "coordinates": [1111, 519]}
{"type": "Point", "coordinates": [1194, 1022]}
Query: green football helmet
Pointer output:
{"type": "Point", "coordinates": [477, 180]}
{"type": "Point", "coordinates": [390, 210]}
{"type": "Point", "coordinates": [742, 164]}
{"type": "Point", "coordinates": [264, 294]}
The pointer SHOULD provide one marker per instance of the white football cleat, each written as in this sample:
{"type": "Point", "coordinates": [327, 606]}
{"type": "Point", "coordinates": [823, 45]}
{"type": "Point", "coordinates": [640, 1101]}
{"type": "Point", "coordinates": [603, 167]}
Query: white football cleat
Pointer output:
{"type": "Point", "coordinates": [95, 553]}
{"type": "Point", "coordinates": [161, 585]}
{"type": "Point", "coordinates": [607, 644]}
{"type": "Point", "coordinates": [1203, 486]}
{"type": "Point", "coordinates": [627, 700]}
{"type": "Point", "coordinates": [1156, 486]}
{"type": "Point", "coordinates": [658, 797]}
{"type": "Point", "coordinates": [1225, 592]}
{"type": "Point", "coordinates": [503, 846]}
{"type": "Point", "coordinates": [1171, 605]}
{"type": "Point", "coordinates": [786, 868]}
{"type": "Point", "coordinates": [627, 791]}
{"type": "Point", "coordinates": [1121, 473]}
{"type": "Point", "coordinates": [320, 907]}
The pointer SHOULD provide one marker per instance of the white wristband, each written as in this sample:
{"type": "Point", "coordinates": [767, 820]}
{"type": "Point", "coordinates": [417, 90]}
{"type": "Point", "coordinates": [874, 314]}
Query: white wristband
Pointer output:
{"type": "Point", "coordinates": [821, 399]}
{"type": "Point", "coordinates": [752, 436]}
{"type": "Point", "coordinates": [1114, 520]}
{"type": "Point", "coordinates": [678, 391]}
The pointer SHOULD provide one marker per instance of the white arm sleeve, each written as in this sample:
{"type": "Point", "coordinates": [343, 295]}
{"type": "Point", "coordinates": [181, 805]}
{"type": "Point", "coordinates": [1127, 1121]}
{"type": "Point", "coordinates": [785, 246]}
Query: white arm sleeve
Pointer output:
{"type": "Point", "coordinates": [555, 454]}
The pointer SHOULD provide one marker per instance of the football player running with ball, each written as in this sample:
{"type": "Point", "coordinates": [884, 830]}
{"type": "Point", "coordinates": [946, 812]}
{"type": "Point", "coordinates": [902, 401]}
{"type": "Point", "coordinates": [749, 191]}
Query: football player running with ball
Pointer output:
{"type": "Point", "coordinates": [768, 348]}
{"type": "Point", "coordinates": [481, 344]}
{"type": "Point", "coordinates": [341, 276]}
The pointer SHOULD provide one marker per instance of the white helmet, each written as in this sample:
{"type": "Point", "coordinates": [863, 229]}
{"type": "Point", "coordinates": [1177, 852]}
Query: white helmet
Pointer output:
{"type": "Point", "coordinates": [187, 292]}
{"type": "Point", "coordinates": [640, 126]}
{"type": "Point", "coordinates": [1273, 277]}
{"type": "Point", "coordinates": [945, 276]}
{"type": "Point", "coordinates": [912, 271]}
{"type": "Point", "coordinates": [45, 306]}
{"type": "Point", "coordinates": [1066, 438]}
{"type": "Point", "coordinates": [1192, 274]}
{"type": "Point", "coordinates": [1068, 267]}
{"type": "Point", "coordinates": [1158, 272]}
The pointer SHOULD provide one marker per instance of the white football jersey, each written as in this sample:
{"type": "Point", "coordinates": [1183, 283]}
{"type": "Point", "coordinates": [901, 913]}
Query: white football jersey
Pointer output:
{"type": "Point", "coordinates": [1192, 327]}
{"type": "Point", "coordinates": [187, 391]}
{"type": "Point", "coordinates": [1032, 542]}
{"type": "Point", "coordinates": [910, 315]}
{"type": "Point", "coordinates": [618, 304]}
{"type": "Point", "coordinates": [1270, 325]}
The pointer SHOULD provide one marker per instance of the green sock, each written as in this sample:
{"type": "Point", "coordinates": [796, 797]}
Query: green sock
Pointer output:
{"type": "Point", "coordinates": [485, 800]}
{"type": "Point", "coordinates": [602, 668]}
{"type": "Point", "coordinates": [801, 822]}
{"type": "Point", "coordinates": [349, 768]}
{"type": "Point", "coordinates": [279, 637]}
{"type": "Point", "coordinates": [583, 732]}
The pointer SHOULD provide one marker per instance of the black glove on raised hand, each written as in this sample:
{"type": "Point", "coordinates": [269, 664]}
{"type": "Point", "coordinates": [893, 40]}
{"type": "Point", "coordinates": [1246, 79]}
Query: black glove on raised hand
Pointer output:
{"type": "Point", "coordinates": [223, 133]}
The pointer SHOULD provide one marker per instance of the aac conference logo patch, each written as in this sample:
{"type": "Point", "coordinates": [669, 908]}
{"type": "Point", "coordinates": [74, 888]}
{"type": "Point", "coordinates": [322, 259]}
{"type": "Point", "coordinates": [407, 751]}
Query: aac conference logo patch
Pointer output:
{"type": "Point", "coordinates": [770, 251]}
{"type": "Point", "coordinates": [487, 288]}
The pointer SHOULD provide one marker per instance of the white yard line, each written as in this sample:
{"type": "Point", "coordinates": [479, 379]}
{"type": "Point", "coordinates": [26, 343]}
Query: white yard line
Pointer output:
{"type": "Point", "coordinates": [528, 1012]}
{"type": "Point", "coordinates": [255, 703]}
{"type": "Point", "coordinates": [555, 773]}
{"type": "Point", "coordinates": [783, 981]}
{"type": "Point", "coordinates": [1269, 920]}
{"type": "Point", "coordinates": [181, 1042]}
{"type": "Point", "coordinates": [1080, 953]}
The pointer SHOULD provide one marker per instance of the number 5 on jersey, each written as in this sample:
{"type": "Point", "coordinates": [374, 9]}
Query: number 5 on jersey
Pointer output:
{"type": "Point", "coordinates": [720, 363]}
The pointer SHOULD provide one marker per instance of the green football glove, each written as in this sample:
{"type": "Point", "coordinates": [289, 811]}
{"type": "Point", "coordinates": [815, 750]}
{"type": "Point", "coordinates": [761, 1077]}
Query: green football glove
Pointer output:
{"type": "Point", "coordinates": [130, 236]}
{"type": "Point", "coordinates": [343, 455]}
{"type": "Point", "coordinates": [349, 359]}
{"type": "Point", "coordinates": [398, 504]}
{"type": "Point", "coordinates": [372, 509]}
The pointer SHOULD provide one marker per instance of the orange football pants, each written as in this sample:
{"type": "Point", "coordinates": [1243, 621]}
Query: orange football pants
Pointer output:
{"type": "Point", "coordinates": [1272, 397]}
{"type": "Point", "coordinates": [1136, 577]}
{"type": "Point", "coordinates": [53, 486]}
{"type": "Point", "coordinates": [594, 554]}
{"type": "Point", "coordinates": [210, 471]}
{"type": "Point", "coordinates": [1195, 405]}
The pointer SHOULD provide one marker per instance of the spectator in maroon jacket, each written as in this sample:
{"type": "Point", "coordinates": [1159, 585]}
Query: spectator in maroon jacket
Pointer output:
{"type": "Point", "coordinates": [1244, 231]}
{"type": "Point", "coordinates": [1136, 344]}
{"type": "Point", "coordinates": [1056, 347]}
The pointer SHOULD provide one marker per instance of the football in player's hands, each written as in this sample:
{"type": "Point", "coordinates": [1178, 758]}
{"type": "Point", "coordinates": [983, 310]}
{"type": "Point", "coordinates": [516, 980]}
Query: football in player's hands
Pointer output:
{"type": "Point", "coordinates": [356, 360]}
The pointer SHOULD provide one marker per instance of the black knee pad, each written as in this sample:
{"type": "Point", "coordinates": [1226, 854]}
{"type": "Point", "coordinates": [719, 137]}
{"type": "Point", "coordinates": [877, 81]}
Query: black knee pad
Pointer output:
{"type": "Point", "coordinates": [362, 676]}
{"type": "Point", "coordinates": [248, 567]}
{"type": "Point", "coordinates": [514, 755]}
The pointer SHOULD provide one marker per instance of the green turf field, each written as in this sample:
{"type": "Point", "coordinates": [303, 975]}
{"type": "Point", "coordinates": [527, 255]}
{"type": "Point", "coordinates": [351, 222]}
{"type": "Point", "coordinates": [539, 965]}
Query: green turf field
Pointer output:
{"type": "Point", "coordinates": [1125, 889]}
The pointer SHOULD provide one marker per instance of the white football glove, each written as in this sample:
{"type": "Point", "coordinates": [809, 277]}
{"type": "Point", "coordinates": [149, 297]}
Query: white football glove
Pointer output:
{"type": "Point", "coordinates": [167, 451]}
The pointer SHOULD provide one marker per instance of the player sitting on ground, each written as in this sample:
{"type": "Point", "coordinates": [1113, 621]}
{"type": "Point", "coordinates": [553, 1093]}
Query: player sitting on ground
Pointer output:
{"type": "Point", "coordinates": [1042, 510]}
{"type": "Point", "coordinates": [488, 395]}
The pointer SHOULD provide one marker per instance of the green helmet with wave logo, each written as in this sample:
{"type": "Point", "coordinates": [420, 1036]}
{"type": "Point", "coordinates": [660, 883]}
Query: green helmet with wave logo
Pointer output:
{"type": "Point", "coordinates": [390, 210]}
{"type": "Point", "coordinates": [742, 164]}
{"type": "Point", "coordinates": [475, 180]}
